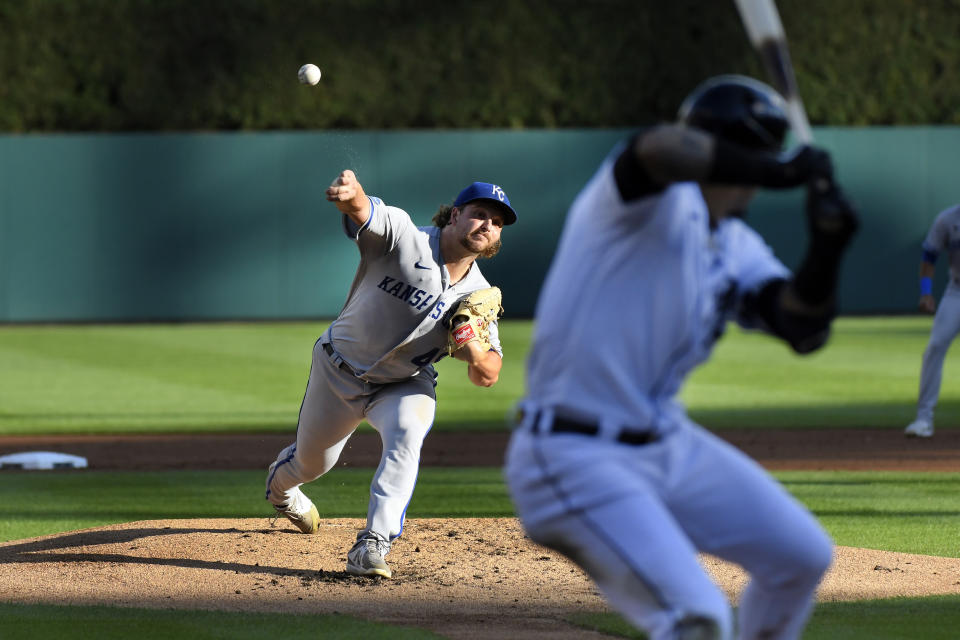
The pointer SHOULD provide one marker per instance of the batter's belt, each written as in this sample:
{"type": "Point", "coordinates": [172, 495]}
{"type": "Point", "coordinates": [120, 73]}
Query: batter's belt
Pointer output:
{"type": "Point", "coordinates": [561, 424]}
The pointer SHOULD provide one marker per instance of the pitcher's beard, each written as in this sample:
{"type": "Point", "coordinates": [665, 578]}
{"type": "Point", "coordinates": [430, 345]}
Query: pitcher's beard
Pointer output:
{"type": "Point", "coordinates": [492, 250]}
{"type": "Point", "coordinates": [483, 249]}
{"type": "Point", "coordinates": [474, 243]}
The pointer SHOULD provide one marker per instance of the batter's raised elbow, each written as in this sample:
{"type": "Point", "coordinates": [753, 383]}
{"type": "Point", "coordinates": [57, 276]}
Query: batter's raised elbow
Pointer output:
{"type": "Point", "coordinates": [810, 343]}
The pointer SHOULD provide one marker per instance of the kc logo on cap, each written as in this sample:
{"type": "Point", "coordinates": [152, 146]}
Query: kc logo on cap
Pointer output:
{"type": "Point", "coordinates": [491, 192]}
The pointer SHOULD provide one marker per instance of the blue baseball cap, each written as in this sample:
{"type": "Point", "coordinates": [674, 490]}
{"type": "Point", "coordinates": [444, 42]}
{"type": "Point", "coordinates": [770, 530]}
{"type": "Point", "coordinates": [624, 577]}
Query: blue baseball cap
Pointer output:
{"type": "Point", "coordinates": [491, 192]}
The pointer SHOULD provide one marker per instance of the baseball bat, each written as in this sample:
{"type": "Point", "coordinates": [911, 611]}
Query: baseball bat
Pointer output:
{"type": "Point", "coordinates": [762, 22]}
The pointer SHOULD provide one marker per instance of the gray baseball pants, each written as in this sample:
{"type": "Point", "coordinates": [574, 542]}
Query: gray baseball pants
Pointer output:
{"type": "Point", "coordinates": [333, 406]}
{"type": "Point", "coordinates": [946, 326]}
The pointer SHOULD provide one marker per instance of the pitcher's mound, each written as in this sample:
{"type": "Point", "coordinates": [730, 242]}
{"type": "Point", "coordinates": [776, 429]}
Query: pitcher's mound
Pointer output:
{"type": "Point", "coordinates": [463, 578]}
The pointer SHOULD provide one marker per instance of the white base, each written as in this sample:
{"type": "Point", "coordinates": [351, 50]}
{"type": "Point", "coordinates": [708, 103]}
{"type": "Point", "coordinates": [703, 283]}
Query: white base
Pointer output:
{"type": "Point", "coordinates": [42, 460]}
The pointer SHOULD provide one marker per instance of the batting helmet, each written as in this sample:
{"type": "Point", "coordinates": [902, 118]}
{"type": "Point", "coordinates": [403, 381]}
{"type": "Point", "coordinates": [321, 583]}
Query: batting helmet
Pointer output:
{"type": "Point", "coordinates": [739, 109]}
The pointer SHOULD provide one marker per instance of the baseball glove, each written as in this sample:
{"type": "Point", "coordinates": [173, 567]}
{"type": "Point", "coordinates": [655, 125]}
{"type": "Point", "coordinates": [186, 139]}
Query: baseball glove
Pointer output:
{"type": "Point", "coordinates": [472, 317]}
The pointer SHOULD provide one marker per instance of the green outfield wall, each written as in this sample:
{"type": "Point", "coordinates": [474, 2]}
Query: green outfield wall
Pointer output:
{"type": "Point", "coordinates": [205, 226]}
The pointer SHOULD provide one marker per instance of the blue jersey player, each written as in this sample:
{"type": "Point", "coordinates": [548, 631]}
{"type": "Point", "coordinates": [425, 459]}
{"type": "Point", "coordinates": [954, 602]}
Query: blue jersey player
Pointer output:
{"type": "Point", "coordinates": [943, 235]}
{"type": "Point", "coordinates": [604, 465]}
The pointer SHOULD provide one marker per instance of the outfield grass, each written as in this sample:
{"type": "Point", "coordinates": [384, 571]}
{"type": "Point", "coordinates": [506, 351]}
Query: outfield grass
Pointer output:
{"type": "Point", "coordinates": [31, 622]}
{"type": "Point", "coordinates": [932, 618]}
{"type": "Point", "coordinates": [892, 511]}
{"type": "Point", "coordinates": [197, 378]}
{"type": "Point", "coordinates": [866, 376]}
{"type": "Point", "coordinates": [250, 377]}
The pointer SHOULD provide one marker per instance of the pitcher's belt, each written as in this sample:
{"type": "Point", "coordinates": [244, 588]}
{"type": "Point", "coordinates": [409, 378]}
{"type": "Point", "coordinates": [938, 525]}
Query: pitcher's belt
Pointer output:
{"type": "Point", "coordinates": [561, 424]}
{"type": "Point", "coordinates": [328, 348]}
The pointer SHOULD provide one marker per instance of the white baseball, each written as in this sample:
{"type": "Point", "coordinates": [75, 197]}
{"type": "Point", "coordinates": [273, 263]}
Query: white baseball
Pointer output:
{"type": "Point", "coordinates": [309, 74]}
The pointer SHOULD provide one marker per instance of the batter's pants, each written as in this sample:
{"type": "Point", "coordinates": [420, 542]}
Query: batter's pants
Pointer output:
{"type": "Point", "coordinates": [634, 517]}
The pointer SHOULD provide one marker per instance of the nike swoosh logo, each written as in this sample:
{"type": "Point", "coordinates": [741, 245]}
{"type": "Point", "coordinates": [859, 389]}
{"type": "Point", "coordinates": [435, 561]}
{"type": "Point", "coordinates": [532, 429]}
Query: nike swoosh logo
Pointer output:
{"type": "Point", "coordinates": [419, 266]}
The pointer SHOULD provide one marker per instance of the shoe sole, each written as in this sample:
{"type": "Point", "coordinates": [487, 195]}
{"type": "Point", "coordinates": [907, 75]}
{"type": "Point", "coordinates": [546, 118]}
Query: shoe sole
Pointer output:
{"type": "Point", "coordinates": [360, 571]}
{"type": "Point", "coordinates": [310, 524]}
{"type": "Point", "coordinates": [910, 434]}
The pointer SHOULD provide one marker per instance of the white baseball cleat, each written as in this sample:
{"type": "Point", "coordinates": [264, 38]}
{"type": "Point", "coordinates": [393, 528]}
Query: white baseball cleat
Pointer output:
{"type": "Point", "coordinates": [919, 429]}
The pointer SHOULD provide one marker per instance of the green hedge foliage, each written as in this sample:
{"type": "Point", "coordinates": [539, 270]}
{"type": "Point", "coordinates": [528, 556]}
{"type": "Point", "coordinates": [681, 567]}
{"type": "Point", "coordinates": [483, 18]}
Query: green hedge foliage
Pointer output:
{"type": "Point", "coordinates": [155, 65]}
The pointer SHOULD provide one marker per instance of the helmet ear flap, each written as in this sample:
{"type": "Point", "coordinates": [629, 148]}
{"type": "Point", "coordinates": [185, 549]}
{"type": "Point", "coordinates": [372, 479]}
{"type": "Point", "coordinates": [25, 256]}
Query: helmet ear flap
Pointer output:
{"type": "Point", "coordinates": [738, 109]}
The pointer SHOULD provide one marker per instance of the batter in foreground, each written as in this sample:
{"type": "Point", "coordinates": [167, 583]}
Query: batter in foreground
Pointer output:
{"type": "Point", "coordinates": [418, 295]}
{"type": "Point", "coordinates": [604, 464]}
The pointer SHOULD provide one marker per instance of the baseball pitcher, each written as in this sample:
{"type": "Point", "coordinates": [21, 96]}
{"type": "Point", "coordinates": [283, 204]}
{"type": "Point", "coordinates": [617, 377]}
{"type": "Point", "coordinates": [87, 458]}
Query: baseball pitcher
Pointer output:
{"type": "Point", "coordinates": [604, 465]}
{"type": "Point", "coordinates": [418, 296]}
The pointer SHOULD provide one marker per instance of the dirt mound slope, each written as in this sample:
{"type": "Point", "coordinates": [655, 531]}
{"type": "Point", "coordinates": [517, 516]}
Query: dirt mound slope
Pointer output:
{"type": "Point", "coordinates": [463, 578]}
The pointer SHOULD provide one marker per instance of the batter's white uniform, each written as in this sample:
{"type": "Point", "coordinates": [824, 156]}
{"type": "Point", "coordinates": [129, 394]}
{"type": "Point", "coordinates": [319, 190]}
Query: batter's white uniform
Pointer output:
{"type": "Point", "coordinates": [636, 296]}
{"type": "Point", "coordinates": [374, 363]}
{"type": "Point", "coordinates": [944, 235]}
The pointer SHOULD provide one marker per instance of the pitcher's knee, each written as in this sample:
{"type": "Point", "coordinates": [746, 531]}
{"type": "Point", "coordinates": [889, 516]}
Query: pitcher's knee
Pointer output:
{"type": "Point", "coordinates": [406, 442]}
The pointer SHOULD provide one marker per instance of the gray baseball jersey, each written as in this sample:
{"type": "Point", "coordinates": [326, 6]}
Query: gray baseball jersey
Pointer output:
{"type": "Point", "coordinates": [391, 327]}
{"type": "Point", "coordinates": [944, 235]}
{"type": "Point", "coordinates": [374, 363]}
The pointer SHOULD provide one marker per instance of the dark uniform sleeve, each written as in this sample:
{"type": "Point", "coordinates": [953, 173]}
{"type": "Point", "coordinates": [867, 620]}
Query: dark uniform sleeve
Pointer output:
{"type": "Point", "coordinates": [633, 181]}
{"type": "Point", "coordinates": [804, 332]}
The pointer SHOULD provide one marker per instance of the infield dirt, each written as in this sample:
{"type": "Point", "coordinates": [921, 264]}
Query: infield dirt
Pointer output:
{"type": "Point", "coordinates": [800, 449]}
{"type": "Point", "coordinates": [464, 579]}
